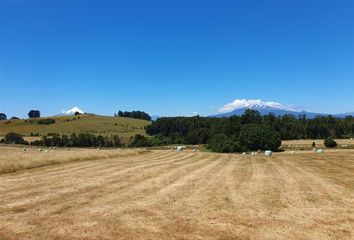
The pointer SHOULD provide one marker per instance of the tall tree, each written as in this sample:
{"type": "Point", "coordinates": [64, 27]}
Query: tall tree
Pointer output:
{"type": "Point", "coordinates": [34, 114]}
{"type": "Point", "coordinates": [3, 116]}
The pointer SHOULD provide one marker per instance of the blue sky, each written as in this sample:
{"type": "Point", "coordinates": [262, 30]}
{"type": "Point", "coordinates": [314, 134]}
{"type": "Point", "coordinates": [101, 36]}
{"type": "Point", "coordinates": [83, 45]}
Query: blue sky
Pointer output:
{"type": "Point", "coordinates": [175, 57]}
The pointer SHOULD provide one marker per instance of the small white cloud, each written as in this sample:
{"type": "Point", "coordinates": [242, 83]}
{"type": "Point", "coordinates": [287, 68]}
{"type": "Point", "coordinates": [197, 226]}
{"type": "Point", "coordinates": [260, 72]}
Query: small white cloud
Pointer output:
{"type": "Point", "coordinates": [244, 103]}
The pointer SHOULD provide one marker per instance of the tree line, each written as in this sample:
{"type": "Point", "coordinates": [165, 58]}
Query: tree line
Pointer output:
{"type": "Point", "coordinates": [250, 131]}
{"type": "Point", "coordinates": [134, 114]}
{"type": "Point", "coordinates": [74, 140]}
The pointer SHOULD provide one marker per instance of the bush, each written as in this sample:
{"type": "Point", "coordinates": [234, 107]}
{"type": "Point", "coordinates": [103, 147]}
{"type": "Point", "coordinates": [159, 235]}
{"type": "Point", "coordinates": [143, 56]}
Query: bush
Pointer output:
{"type": "Point", "coordinates": [139, 141]}
{"type": "Point", "coordinates": [329, 142]}
{"type": "Point", "coordinates": [46, 121]}
{"type": "Point", "coordinates": [14, 138]}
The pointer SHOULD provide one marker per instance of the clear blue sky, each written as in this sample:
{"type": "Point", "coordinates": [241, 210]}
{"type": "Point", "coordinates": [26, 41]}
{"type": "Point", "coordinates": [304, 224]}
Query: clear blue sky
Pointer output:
{"type": "Point", "coordinates": [174, 57]}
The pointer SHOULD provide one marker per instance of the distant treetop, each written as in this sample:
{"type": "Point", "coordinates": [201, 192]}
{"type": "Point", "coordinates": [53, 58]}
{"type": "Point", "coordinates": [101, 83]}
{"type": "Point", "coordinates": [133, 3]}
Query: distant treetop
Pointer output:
{"type": "Point", "coordinates": [34, 114]}
{"type": "Point", "coordinates": [3, 116]}
{"type": "Point", "coordinates": [134, 114]}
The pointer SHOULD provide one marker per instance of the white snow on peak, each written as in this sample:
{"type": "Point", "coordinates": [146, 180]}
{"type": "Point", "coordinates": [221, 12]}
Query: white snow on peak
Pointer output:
{"type": "Point", "coordinates": [252, 104]}
{"type": "Point", "coordinates": [72, 111]}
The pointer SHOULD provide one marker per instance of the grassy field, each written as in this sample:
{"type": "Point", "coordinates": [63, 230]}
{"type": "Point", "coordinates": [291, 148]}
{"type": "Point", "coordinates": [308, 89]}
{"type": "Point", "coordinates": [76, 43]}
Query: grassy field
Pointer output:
{"type": "Point", "coordinates": [307, 143]}
{"type": "Point", "coordinates": [182, 195]}
{"type": "Point", "coordinates": [13, 159]}
{"type": "Point", "coordinates": [97, 125]}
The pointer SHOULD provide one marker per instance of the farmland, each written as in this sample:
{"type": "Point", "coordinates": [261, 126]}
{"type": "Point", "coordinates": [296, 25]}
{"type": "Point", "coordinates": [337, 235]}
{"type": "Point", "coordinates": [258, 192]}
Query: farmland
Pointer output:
{"type": "Point", "coordinates": [181, 195]}
{"type": "Point", "coordinates": [93, 124]}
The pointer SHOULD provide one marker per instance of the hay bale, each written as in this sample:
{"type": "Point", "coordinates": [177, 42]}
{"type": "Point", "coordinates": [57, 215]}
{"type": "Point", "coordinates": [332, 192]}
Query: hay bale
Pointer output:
{"type": "Point", "coordinates": [292, 152]}
{"type": "Point", "coordinates": [24, 149]}
{"type": "Point", "coordinates": [180, 148]}
{"type": "Point", "coordinates": [243, 153]}
{"type": "Point", "coordinates": [68, 149]}
{"type": "Point", "coordinates": [320, 150]}
{"type": "Point", "coordinates": [40, 149]}
{"type": "Point", "coordinates": [268, 153]}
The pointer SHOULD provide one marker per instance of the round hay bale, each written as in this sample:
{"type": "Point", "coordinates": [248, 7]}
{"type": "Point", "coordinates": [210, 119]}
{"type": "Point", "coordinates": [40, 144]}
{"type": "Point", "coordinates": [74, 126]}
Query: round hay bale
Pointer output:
{"type": "Point", "coordinates": [180, 148]}
{"type": "Point", "coordinates": [24, 149]}
{"type": "Point", "coordinates": [268, 153]}
{"type": "Point", "coordinates": [320, 150]}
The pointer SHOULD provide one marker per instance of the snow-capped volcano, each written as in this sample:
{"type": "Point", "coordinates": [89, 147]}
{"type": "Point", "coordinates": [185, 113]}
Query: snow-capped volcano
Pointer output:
{"type": "Point", "coordinates": [253, 104]}
{"type": "Point", "coordinates": [71, 111]}
{"type": "Point", "coordinates": [239, 106]}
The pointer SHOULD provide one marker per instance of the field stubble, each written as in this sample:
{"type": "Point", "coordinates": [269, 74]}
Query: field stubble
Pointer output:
{"type": "Point", "coordinates": [183, 195]}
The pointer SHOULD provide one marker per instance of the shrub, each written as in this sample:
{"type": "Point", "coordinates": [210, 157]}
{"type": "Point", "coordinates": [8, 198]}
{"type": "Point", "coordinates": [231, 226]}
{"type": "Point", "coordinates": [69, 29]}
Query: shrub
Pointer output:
{"type": "Point", "coordinates": [14, 138]}
{"type": "Point", "coordinates": [46, 121]}
{"type": "Point", "coordinates": [139, 141]}
{"type": "Point", "coordinates": [329, 142]}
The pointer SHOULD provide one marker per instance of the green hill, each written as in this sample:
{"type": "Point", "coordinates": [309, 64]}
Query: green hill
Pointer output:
{"type": "Point", "coordinates": [93, 124]}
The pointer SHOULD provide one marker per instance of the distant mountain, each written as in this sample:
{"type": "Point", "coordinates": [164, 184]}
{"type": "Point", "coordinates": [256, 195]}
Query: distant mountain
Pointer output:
{"type": "Point", "coordinates": [239, 106]}
{"type": "Point", "coordinates": [70, 112]}
{"type": "Point", "coordinates": [279, 112]}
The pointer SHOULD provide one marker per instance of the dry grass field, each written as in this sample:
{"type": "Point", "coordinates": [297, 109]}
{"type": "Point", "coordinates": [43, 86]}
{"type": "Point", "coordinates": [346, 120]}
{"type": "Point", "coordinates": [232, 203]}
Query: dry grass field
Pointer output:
{"type": "Point", "coordinates": [183, 195]}
{"type": "Point", "coordinates": [13, 159]}
{"type": "Point", "coordinates": [306, 143]}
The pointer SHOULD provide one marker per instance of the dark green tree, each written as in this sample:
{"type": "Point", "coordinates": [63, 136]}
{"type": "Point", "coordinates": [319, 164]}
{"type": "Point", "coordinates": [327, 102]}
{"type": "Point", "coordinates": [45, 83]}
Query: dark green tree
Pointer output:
{"type": "Point", "coordinates": [34, 114]}
{"type": "Point", "coordinates": [256, 137]}
{"type": "Point", "coordinates": [3, 116]}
